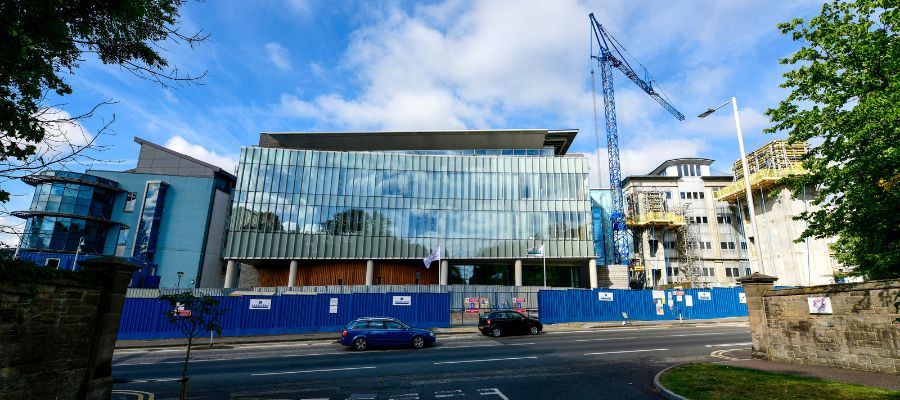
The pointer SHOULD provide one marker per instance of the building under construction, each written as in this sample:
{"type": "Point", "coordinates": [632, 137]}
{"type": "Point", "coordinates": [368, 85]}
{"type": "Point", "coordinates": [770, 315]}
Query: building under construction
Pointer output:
{"type": "Point", "coordinates": [682, 236]}
{"type": "Point", "coordinates": [795, 263]}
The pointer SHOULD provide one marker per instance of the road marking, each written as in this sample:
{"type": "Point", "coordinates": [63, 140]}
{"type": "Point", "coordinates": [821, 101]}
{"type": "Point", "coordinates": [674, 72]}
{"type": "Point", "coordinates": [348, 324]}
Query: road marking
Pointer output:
{"type": "Point", "coordinates": [492, 391]}
{"type": "Point", "coordinates": [484, 360]}
{"type": "Point", "coordinates": [366, 396]}
{"type": "Point", "coordinates": [624, 351]}
{"type": "Point", "coordinates": [612, 338]}
{"type": "Point", "coordinates": [701, 334]}
{"type": "Point", "coordinates": [311, 371]}
{"type": "Point", "coordinates": [408, 396]}
{"type": "Point", "coordinates": [730, 344]}
{"type": "Point", "coordinates": [519, 344]}
{"type": "Point", "coordinates": [164, 380]}
{"type": "Point", "coordinates": [449, 393]}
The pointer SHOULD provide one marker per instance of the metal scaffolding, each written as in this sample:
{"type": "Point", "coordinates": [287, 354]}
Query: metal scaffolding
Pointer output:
{"type": "Point", "coordinates": [767, 166]}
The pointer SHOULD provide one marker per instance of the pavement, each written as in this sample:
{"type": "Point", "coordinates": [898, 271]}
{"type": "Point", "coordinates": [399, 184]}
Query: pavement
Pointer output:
{"type": "Point", "coordinates": [873, 379]}
{"type": "Point", "coordinates": [226, 341]}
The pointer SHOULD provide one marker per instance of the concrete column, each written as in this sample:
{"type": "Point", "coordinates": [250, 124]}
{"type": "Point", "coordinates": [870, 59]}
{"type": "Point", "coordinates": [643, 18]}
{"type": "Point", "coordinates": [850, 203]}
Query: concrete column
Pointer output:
{"type": "Point", "coordinates": [292, 275]}
{"type": "Point", "coordinates": [592, 273]}
{"type": "Point", "coordinates": [755, 287]}
{"type": "Point", "coordinates": [370, 272]}
{"type": "Point", "coordinates": [444, 272]}
{"type": "Point", "coordinates": [518, 272]}
{"type": "Point", "coordinates": [229, 273]}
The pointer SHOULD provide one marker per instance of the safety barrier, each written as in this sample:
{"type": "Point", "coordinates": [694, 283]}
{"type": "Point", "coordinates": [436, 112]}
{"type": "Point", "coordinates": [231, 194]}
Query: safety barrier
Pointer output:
{"type": "Point", "coordinates": [583, 305]}
{"type": "Point", "coordinates": [143, 318]}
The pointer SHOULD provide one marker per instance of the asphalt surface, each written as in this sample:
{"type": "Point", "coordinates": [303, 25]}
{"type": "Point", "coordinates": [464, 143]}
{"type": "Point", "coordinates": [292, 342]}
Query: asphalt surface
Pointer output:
{"type": "Point", "coordinates": [590, 364]}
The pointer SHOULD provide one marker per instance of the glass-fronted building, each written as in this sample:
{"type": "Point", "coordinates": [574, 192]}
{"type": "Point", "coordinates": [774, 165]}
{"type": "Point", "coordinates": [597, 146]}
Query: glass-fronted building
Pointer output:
{"type": "Point", "coordinates": [167, 214]}
{"type": "Point", "coordinates": [366, 208]}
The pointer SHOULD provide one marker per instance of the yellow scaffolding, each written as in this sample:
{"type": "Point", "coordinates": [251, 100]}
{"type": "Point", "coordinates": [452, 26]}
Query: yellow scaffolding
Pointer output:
{"type": "Point", "coordinates": [652, 211]}
{"type": "Point", "coordinates": [768, 165]}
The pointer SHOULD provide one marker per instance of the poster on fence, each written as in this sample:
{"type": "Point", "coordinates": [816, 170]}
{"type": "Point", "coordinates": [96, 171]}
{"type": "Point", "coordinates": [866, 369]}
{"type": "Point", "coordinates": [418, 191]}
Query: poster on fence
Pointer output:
{"type": "Point", "coordinates": [659, 306]}
{"type": "Point", "coordinates": [659, 294]}
{"type": "Point", "coordinates": [605, 296]}
{"type": "Point", "coordinates": [742, 298]}
{"type": "Point", "coordinates": [704, 296]}
{"type": "Point", "coordinates": [519, 304]}
{"type": "Point", "coordinates": [689, 300]}
{"type": "Point", "coordinates": [402, 300]}
{"type": "Point", "coordinates": [473, 305]}
{"type": "Point", "coordinates": [333, 305]}
{"type": "Point", "coordinates": [260, 304]}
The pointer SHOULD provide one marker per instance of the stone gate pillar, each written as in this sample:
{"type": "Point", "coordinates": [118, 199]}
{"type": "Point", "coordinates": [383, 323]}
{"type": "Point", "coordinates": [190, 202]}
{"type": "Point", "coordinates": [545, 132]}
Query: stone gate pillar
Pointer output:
{"type": "Point", "coordinates": [755, 286]}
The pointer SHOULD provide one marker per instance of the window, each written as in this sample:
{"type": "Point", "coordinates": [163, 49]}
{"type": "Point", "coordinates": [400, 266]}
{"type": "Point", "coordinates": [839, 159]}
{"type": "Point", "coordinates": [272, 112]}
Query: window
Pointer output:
{"type": "Point", "coordinates": [723, 245]}
{"type": "Point", "coordinates": [52, 262]}
{"type": "Point", "coordinates": [392, 325]}
{"type": "Point", "coordinates": [708, 246]}
{"type": "Point", "coordinates": [130, 198]}
{"type": "Point", "coordinates": [701, 195]}
{"type": "Point", "coordinates": [682, 195]}
{"type": "Point", "coordinates": [743, 245]}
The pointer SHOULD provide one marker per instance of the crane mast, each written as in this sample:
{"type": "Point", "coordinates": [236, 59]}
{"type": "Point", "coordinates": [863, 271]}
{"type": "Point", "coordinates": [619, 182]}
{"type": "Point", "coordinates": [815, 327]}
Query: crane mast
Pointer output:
{"type": "Point", "coordinates": [608, 57]}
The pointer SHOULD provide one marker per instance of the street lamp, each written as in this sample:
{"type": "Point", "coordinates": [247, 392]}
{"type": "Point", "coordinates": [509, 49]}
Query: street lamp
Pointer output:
{"type": "Point", "coordinates": [737, 124]}
{"type": "Point", "coordinates": [180, 274]}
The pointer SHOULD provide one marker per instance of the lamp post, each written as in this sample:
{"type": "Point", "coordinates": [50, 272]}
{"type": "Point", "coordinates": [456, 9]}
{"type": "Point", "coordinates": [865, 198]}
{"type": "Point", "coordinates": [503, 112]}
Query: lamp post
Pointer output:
{"type": "Point", "coordinates": [737, 124]}
{"type": "Point", "coordinates": [180, 274]}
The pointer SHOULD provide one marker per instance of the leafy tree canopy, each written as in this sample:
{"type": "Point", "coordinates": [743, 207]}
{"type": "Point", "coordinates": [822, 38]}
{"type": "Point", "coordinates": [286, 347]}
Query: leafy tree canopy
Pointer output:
{"type": "Point", "coordinates": [43, 40]}
{"type": "Point", "coordinates": [845, 100]}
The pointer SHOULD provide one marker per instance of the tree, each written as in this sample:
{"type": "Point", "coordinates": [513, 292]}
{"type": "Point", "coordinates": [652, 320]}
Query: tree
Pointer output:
{"type": "Point", "coordinates": [42, 41]}
{"type": "Point", "coordinates": [193, 315]}
{"type": "Point", "coordinates": [845, 94]}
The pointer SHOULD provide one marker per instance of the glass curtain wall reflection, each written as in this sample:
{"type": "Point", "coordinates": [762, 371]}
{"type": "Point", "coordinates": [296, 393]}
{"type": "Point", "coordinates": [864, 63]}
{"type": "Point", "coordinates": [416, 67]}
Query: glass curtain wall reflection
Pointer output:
{"type": "Point", "coordinates": [322, 204]}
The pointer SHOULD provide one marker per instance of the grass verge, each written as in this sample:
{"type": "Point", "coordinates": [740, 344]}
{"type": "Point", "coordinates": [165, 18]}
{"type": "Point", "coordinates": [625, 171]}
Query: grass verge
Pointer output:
{"type": "Point", "coordinates": [716, 381]}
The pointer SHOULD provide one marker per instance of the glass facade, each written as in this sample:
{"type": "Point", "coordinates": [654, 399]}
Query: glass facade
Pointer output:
{"type": "Point", "coordinates": [303, 204]}
{"type": "Point", "coordinates": [46, 232]}
{"type": "Point", "coordinates": [148, 225]}
{"type": "Point", "coordinates": [66, 207]}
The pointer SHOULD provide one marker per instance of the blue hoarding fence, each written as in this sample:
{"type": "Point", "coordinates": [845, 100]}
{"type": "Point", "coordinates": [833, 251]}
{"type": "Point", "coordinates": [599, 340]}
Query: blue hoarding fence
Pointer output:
{"type": "Point", "coordinates": [583, 305]}
{"type": "Point", "coordinates": [143, 318]}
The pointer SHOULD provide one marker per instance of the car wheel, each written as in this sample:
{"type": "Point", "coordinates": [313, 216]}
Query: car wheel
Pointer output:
{"type": "Point", "coordinates": [360, 344]}
{"type": "Point", "coordinates": [496, 332]}
{"type": "Point", "coordinates": [534, 330]}
{"type": "Point", "coordinates": [418, 342]}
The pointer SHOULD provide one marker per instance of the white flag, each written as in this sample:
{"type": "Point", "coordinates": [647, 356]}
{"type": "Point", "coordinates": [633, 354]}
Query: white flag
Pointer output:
{"type": "Point", "coordinates": [435, 255]}
{"type": "Point", "coordinates": [535, 251]}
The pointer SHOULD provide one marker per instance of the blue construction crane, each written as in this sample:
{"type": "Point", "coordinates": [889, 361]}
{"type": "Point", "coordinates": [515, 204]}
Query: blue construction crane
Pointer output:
{"type": "Point", "coordinates": [609, 56]}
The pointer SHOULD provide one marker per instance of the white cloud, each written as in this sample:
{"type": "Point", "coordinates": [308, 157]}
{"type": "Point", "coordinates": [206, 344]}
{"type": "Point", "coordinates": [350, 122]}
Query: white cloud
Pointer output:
{"type": "Point", "coordinates": [279, 56]}
{"type": "Point", "coordinates": [640, 160]}
{"type": "Point", "coordinates": [63, 133]}
{"type": "Point", "coordinates": [300, 7]}
{"type": "Point", "coordinates": [179, 144]}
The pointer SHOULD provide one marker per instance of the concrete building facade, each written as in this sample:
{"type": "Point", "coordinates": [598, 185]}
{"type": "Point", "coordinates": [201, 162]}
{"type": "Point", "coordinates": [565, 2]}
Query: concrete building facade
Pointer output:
{"type": "Point", "coordinates": [681, 234]}
{"type": "Point", "coordinates": [805, 263]}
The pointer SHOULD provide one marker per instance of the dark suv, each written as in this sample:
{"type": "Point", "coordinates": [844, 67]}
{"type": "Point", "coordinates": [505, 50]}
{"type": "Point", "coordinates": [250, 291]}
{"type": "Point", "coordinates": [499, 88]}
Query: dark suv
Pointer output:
{"type": "Point", "coordinates": [380, 331]}
{"type": "Point", "coordinates": [498, 323]}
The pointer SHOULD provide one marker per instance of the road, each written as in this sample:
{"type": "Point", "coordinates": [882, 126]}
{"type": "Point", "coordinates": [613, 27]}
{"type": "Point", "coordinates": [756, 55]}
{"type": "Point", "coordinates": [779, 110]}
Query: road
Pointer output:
{"type": "Point", "coordinates": [613, 363]}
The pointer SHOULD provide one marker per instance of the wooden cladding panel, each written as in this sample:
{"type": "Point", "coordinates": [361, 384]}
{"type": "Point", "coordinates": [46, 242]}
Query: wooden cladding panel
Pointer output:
{"type": "Point", "coordinates": [393, 272]}
{"type": "Point", "coordinates": [320, 273]}
{"type": "Point", "coordinates": [331, 273]}
{"type": "Point", "coordinates": [271, 277]}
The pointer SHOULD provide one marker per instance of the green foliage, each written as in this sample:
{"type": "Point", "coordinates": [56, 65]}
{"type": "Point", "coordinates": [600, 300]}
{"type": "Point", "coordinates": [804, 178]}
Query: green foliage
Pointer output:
{"type": "Point", "coordinates": [845, 94]}
{"type": "Point", "coordinates": [721, 382]}
{"type": "Point", "coordinates": [42, 40]}
{"type": "Point", "coordinates": [206, 315]}
{"type": "Point", "coordinates": [18, 270]}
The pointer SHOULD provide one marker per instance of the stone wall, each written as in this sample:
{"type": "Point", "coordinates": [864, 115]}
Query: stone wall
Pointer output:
{"type": "Point", "coordinates": [45, 332]}
{"type": "Point", "coordinates": [58, 332]}
{"type": "Point", "coordinates": [859, 333]}
{"type": "Point", "coordinates": [613, 277]}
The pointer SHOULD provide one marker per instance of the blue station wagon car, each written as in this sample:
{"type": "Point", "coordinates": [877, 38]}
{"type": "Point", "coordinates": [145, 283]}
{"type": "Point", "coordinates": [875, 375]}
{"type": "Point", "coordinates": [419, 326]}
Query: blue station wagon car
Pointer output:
{"type": "Point", "coordinates": [361, 333]}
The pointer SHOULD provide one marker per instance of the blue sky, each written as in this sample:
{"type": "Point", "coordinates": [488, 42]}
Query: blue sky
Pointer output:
{"type": "Point", "coordinates": [307, 65]}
